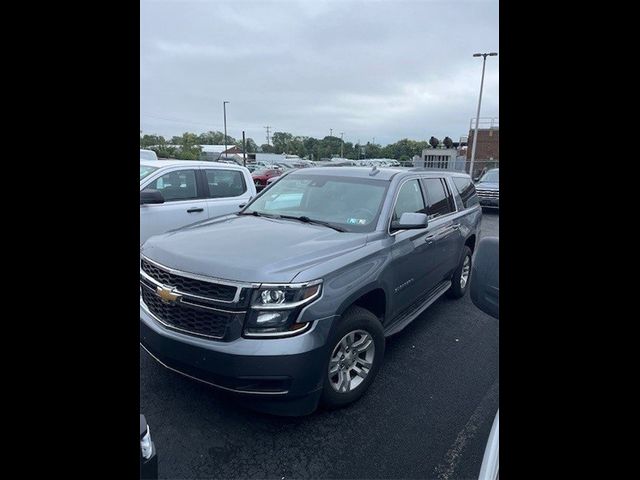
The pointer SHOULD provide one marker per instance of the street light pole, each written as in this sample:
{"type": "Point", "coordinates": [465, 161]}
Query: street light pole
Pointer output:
{"type": "Point", "coordinates": [475, 133]}
{"type": "Point", "coordinates": [224, 108]}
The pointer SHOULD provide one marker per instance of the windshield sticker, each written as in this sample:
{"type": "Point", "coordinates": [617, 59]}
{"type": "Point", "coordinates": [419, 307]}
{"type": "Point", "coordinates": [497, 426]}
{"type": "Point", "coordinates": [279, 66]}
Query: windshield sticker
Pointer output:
{"type": "Point", "coordinates": [357, 221]}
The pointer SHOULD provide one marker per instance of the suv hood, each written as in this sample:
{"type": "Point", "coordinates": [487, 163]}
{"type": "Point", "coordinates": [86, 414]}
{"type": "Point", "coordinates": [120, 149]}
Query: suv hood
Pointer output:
{"type": "Point", "coordinates": [249, 249]}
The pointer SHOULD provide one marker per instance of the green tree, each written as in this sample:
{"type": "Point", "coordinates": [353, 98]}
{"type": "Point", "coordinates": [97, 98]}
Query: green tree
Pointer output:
{"type": "Point", "coordinates": [151, 141]}
{"type": "Point", "coordinates": [211, 138]}
{"type": "Point", "coordinates": [281, 141]}
{"type": "Point", "coordinates": [251, 145]}
{"type": "Point", "coordinates": [264, 148]}
{"type": "Point", "coordinates": [189, 146]}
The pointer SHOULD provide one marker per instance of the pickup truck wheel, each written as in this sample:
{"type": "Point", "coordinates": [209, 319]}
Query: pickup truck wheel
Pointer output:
{"type": "Point", "coordinates": [355, 356]}
{"type": "Point", "coordinates": [462, 275]}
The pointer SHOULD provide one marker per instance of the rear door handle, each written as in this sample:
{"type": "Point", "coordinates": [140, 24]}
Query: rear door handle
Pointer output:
{"type": "Point", "coordinates": [193, 210]}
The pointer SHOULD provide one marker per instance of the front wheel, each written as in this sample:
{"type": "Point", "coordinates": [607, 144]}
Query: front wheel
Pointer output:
{"type": "Point", "coordinates": [354, 359]}
{"type": "Point", "coordinates": [462, 275]}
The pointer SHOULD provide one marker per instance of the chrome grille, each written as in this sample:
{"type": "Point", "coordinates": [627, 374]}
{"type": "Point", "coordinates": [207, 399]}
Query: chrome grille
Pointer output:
{"type": "Point", "coordinates": [488, 193]}
{"type": "Point", "coordinates": [189, 318]}
{"type": "Point", "coordinates": [210, 290]}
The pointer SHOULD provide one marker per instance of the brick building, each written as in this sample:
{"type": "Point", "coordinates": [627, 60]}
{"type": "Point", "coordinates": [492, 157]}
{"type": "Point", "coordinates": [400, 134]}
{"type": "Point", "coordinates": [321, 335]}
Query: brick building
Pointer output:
{"type": "Point", "coordinates": [488, 146]}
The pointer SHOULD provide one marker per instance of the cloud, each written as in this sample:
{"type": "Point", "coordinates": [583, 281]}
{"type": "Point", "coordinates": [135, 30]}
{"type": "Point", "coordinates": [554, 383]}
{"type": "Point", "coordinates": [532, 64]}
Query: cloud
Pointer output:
{"type": "Point", "coordinates": [384, 69]}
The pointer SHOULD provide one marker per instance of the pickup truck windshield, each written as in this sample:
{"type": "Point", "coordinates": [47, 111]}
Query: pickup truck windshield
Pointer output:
{"type": "Point", "coordinates": [353, 204]}
{"type": "Point", "coordinates": [492, 176]}
{"type": "Point", "coordinates": [145, 170]}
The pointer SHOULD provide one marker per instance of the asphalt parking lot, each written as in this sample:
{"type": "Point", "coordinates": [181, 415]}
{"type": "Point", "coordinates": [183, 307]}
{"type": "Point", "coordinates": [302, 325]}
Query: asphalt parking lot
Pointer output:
{"type": "Point", "coordinates": [427, 415]}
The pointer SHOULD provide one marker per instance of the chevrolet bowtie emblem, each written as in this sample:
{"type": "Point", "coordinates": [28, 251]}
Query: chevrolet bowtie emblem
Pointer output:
{"type": "Point", "coordinates": [167, 295]}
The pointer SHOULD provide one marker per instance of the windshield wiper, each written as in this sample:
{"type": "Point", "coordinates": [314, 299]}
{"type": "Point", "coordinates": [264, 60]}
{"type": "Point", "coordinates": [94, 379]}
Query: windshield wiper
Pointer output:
{"type": "Point", "coordinates": [305, 219]}
{"type": "Point", "coordinates": [258, 214]}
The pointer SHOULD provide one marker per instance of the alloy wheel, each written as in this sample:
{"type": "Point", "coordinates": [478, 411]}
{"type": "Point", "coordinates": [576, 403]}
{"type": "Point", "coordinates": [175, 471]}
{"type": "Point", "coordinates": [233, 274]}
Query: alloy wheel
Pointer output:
{"type": "Point", "coordinates": [466, 270]}
{"type": "Point", "coordinates": [351, 361]}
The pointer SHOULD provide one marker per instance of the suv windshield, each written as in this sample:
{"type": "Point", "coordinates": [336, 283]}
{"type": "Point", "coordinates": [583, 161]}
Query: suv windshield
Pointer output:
{"type": "Point", "coordinates": [491, 176]}
{"type": "Point", "coordinates": [146, 170]}
{"type": "Point", "coordinates": [353, 204]}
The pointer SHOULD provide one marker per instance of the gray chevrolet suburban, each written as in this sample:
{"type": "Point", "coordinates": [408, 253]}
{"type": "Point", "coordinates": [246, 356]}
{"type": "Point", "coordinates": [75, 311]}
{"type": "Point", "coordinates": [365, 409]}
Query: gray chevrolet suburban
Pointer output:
{"type": "Point", "coordinates": [287, 303]}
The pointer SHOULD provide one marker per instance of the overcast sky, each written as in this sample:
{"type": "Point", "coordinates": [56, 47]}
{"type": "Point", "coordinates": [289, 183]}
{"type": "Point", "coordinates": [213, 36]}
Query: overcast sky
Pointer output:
{"type": "Point", "coordinates": [388, 69]}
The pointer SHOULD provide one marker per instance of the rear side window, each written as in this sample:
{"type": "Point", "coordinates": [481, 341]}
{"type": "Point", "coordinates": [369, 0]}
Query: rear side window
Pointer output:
{"type": "Point", "coordinates": [175, 186]}
{"type": "Point", "coordinates": [440, 200]}
{"type": "Point", "coordinates": [409, 200]}
{"type": "Point", "coordinates": [467, 191]}
{"type": "Point", "coordinates": [225, 183]}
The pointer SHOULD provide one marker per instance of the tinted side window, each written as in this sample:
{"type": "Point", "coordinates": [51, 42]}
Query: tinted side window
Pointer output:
{"type": "Point", "coordinates": [409, 200]}
{"type": "Point", "coordinates": [178, 185]}
{"type": "Point", "coordinates": [225, 183]}
{"type": "Point", "coordinates": [467, 191]}
{"type": "Point", "coordinates": [440, 200]}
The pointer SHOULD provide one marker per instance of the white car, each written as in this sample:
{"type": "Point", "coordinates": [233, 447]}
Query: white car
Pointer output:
{"type": "Point", "coordinates": [148, 154]}
{"type": "Point", "coordinates": [175, 193]}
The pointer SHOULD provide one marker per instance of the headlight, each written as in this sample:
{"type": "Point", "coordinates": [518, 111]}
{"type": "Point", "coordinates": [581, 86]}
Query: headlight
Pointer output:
{"type": "Point", "coordinates": [275, 309]}
{"type": "Point", "coordinates": [145, 445]}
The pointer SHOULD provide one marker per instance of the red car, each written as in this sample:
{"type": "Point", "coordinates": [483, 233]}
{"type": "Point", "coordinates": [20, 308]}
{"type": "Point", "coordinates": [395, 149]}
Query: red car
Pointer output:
{"type": "Point", "coordinates": [260, 177]}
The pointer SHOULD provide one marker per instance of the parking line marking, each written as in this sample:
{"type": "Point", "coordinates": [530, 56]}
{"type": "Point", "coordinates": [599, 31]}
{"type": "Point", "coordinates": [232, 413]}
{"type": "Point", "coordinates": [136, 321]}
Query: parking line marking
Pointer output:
{"type": "Point", "coordinates": [445, 469]}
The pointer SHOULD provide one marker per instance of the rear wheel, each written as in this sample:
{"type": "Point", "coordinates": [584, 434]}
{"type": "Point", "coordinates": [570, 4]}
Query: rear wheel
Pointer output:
{"type": "Point", "coordinates": [354, 358]}
{"type": "Point", "coordinates": [462, 275]}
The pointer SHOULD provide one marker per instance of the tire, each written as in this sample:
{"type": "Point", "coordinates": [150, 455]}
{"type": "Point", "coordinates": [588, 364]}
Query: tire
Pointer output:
{"type": "Point", "coordinates": [457, 289]}
{"type": "Point", "coordinates": [355, 319]}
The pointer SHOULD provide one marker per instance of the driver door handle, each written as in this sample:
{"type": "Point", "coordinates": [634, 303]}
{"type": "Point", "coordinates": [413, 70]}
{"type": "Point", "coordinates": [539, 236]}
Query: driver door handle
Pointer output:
{"type": "Point", "coordinates": [193, 210]}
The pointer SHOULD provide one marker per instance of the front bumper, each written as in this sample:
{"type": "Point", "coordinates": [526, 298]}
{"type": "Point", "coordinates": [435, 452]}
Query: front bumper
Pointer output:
{"type": "Point", "coordinates": [282, 376]}
{"type": "Point", "coordinates": [489, 201]}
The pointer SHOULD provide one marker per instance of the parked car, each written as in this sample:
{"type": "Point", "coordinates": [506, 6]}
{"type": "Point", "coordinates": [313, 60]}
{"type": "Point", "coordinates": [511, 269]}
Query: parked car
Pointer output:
{"type": "Point", "coordinates": [276, 178]}
{"type": "Point", "coordinates": [485, 294]}
{"type": "Point", "coordinates": [260, 177]}
{"type": "Point", "coordinates": [488, 188]}
{"type": "Point", "coordinates": [297, 163]}
{"type": "Point", "coordinates": [148, 455]}
{"type": "Point", "coordinates": [175, 193]}
{"type": "Point", "coordinates": [353, 256]}
{"type": "Point", "coordinates": [148, 155]}
{"type": "Point", "coordinates": [328, 163]}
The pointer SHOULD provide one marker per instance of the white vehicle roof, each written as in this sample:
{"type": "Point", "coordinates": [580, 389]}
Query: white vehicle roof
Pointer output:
{"type": "Point", "coordinates": [148, 154]}
{"type": "Point", "coordinates": [188, 163]}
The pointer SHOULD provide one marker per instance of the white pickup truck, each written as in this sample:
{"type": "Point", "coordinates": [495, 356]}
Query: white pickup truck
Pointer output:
{"type": "Point", "coordinates": [175, 193]}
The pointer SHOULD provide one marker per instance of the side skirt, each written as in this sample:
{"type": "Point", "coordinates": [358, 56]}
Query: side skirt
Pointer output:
{"type": "Point", "coordinates": [404, 319]}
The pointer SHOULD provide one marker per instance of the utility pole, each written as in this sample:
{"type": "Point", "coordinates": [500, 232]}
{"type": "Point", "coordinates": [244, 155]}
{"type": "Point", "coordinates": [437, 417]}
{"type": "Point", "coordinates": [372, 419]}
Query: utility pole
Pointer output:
{"type": "Point", "coordinates": [341, 145]}
{"type": "Point", "coordinates": [244, 150]}
{"type": "Point", "coordinates": [475, 133]}
{"type": "Point", "coordinates": [268, 127]}
{"type": "Point", "coordinates": [224, 107]}
{"type": "Point", "coordinates": [331, 132]}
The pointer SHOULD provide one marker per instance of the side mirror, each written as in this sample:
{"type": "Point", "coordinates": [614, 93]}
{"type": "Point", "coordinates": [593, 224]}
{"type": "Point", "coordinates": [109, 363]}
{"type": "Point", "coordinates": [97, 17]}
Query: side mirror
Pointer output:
{"type": "Point", "coordinates": [485, 277]}
{"type": "Point", "coordinates": [410, 221]}
{"type": "Point", "coordinates": [150, 196]}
